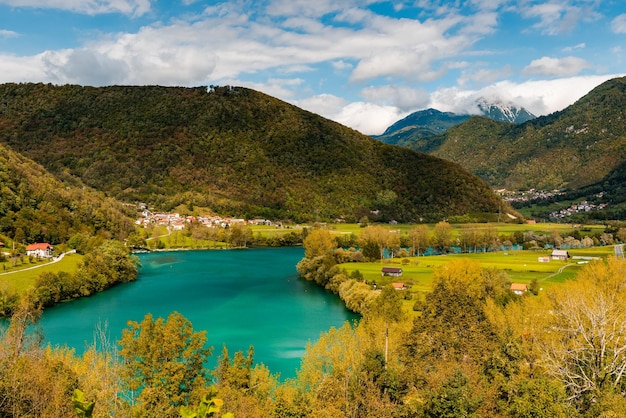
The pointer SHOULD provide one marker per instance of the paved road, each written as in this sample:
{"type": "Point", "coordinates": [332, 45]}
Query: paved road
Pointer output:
{"type": "Point", "coordinates": [54, 260]}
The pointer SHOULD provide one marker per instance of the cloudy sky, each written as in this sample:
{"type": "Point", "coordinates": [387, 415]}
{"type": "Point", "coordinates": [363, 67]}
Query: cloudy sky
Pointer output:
{"type": "Point", "coordinates": [364, 63]}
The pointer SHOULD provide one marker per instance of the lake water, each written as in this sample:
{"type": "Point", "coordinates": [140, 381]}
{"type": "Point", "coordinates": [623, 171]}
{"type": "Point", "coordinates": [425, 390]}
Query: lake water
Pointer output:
{"type": "Point", "coordinates": [240, 297]}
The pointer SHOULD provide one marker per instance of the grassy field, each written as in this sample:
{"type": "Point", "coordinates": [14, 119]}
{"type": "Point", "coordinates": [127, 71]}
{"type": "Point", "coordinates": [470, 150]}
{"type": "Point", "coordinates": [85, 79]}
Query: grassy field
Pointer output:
{"type": "Point", "coordinates": [501, 228]}
{"type": "Point", "coordinates": [520, 266]}
{"type": "Point", "coordinates": [20, 280]}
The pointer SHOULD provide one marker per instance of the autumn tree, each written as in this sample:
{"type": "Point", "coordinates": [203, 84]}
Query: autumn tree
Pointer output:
{"type": "Point", "coordinates": [32, 382]}
{"type": "Point", "coordinates": [388, 307]}
{"type": "Point", "coordinates": [380, 238]}
{"type": "Point", "coordinates": [106, 265]}
{"type": "Point", "coordinates": [164, 362]}
{"type": "Point", "coordinates": [584, 344]}
{"type": "Point", "coordinates": [453, 324]}
{"type": "Point", "coordinates": [320, 242]}
{"type": "Point", "coordinates": [442, 236]}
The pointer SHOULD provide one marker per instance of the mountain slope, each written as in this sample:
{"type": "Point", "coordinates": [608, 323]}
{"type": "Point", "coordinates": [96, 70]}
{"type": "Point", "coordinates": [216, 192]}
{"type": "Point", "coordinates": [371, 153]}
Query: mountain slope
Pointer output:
{"type": "Point", "coordinates": [420, 125]}
{"type": "Point", "coordinates": [573, 148]}
{"type": "Point", "coordinates": [36, 207]}
{"type": "Point", "coordinates": [417, 130]}
{"type": "Point", "coordinates": [234, 150]}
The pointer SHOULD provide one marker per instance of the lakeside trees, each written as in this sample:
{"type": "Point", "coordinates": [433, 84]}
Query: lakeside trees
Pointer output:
{"type": "Point", "coordinates": [163, 364]}
{"type": "Point", "coordinates": [474, 350]}
{"type": "Point", "coordinates": [102, 267]}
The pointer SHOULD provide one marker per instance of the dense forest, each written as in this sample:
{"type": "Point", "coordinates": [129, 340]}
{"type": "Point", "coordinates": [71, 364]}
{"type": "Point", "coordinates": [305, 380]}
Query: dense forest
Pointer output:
{"type": "Point", "coordinates": [37, 207]}
{"type": "Point", "coordinates": [234, 150]}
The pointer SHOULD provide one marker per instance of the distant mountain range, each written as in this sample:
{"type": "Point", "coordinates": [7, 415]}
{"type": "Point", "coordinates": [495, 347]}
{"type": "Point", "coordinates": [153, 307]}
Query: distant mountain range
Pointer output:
{"type": "Point", "coordinates": [418, 126]}
{"type": "Point", "coordinates": [234, 151]}
{"type": "Point", "coordinates": [581, 149]}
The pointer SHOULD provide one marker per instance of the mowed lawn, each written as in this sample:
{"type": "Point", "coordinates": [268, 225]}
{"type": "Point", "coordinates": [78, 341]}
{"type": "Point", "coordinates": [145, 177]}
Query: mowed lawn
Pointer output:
{"type": "Point", "coordinates": [20, 280]}
{"type": "Point", "coordinates": [521, 266]}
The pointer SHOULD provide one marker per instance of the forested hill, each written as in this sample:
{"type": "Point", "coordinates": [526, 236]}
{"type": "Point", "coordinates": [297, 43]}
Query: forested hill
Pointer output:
{"type": "Point", "coordinates": [234, 150]}
{"type": "Point", "coordinates": [36, 207]}
{"type": "Point", "coordinates": [579, 146]}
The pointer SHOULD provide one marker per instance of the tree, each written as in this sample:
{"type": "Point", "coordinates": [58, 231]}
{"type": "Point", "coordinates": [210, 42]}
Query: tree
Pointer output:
{"type": "Point", "coordinates": [418, 237]}
{"type": "Point", "coordinates": [584, 346]}
{"type": "Point", "coordinates": [106, 265]}
{"type": "Point", "coordinates": [164, 362]}
{"type": "Point", "coordinates": [318, 243]}
{"type": "Point", "coordinates": [388, 306]}
{"type": "Point", "coordinates": [453, 325]}
{"type": "Point", "coordinates": [239, 235]}
{"type": "Point", "coordinates": [380, 237]}
{"type": "Point", "coordinates": [442, 236]}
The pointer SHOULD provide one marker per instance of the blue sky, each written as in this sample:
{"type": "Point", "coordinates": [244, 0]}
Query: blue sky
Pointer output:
{"type": "Point", "coordinates": [363, 63]}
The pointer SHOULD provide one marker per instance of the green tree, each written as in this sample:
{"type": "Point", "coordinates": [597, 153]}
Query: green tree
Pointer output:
{"type": "Point", "coordinates": [453, 325]}
{"type": "Point", "coordinates": [164, 362]}
{"type": "Point", "coordinates": [106, 265]}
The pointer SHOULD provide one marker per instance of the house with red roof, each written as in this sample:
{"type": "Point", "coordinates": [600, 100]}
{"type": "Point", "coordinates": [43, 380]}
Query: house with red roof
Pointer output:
{"type": "Point", "coordinates": [39, 250]}
{"type": "Point", "coordinates": [519, 288]}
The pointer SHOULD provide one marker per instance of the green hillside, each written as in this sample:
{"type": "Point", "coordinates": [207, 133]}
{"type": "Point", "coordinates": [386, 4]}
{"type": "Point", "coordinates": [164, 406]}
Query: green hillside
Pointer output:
{"type": "Point", "coordinates": [576, 147]}
{"type": "Point", "coordinates": [36, 207]}
{"type": "Point", "coordinates": [234, 150]}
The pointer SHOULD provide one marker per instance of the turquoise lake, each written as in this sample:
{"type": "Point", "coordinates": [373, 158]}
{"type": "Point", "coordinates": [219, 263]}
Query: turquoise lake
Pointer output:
{"type": "Point", "coordinates": [240, 297]}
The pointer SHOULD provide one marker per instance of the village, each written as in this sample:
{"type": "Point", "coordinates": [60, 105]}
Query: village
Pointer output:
{"type": "Point", "coordinates": [176, 222]}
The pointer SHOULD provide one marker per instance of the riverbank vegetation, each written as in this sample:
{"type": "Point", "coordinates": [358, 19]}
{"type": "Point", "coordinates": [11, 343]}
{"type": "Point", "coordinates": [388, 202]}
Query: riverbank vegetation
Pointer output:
{"type": "Point", "coordinates": [100, 268]}
{"type": "Point", "coordinates": [475, 349]}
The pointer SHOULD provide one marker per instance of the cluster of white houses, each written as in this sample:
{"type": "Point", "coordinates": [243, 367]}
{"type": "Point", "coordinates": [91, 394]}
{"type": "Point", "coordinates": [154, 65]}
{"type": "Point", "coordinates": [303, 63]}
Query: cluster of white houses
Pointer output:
{"type": "Point", "coordinates": [177, 222]}
{"type": "Point", "coordinates": [583, 206]}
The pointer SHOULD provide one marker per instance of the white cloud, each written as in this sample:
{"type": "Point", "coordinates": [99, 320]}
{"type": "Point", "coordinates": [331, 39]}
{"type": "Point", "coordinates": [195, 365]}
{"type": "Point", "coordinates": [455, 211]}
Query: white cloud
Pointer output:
{"type": "Point", "coordinates": [327, 105]}
{"type": "Point", "coordinates": [226, 44]}
{"type": "Point", "coordinates": [484, 75]}
{"type": "Point", "coordinates": [341, 65]}
{"type": "Point", "coordinates": [282, 88]}
{"type": "Point", "coordinates": [539, 97]}
{"type": "Point", "coordinates": [408, 49]}
{"type": "Point", "coordinates": [581, 45]}
{"type": "Point", "coordinates": [4, 33]}
{"type": "Point", "coordinates": [556, 17]}
{"type": "Point", "coordinates": [368, 118]}
{"type": "Point", "coordinates": [21, 69]}
{"type": "Point", "coordinates": [618, 25]}
{"type": "Point", "coordinates": [547, 66]}
{"type": "Point", "coordinates": [401, 97]}
{"type": "Point", "coordinates": [89, 7]}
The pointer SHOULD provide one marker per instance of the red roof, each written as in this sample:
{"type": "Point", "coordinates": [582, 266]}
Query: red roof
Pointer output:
{"type": "Point", "coordinates": [39, 246]}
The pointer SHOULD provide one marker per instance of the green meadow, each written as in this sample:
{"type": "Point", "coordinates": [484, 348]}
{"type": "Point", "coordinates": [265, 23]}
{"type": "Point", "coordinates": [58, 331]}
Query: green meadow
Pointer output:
{"type": "Point", "coordinates": [21, 279]}
{"type": "Point", "coordinates": [522, 266]}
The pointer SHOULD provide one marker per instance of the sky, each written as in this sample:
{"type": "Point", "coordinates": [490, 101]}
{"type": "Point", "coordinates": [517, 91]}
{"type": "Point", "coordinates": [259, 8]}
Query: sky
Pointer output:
{"type": "Point", "coordinates": [363, 63]}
